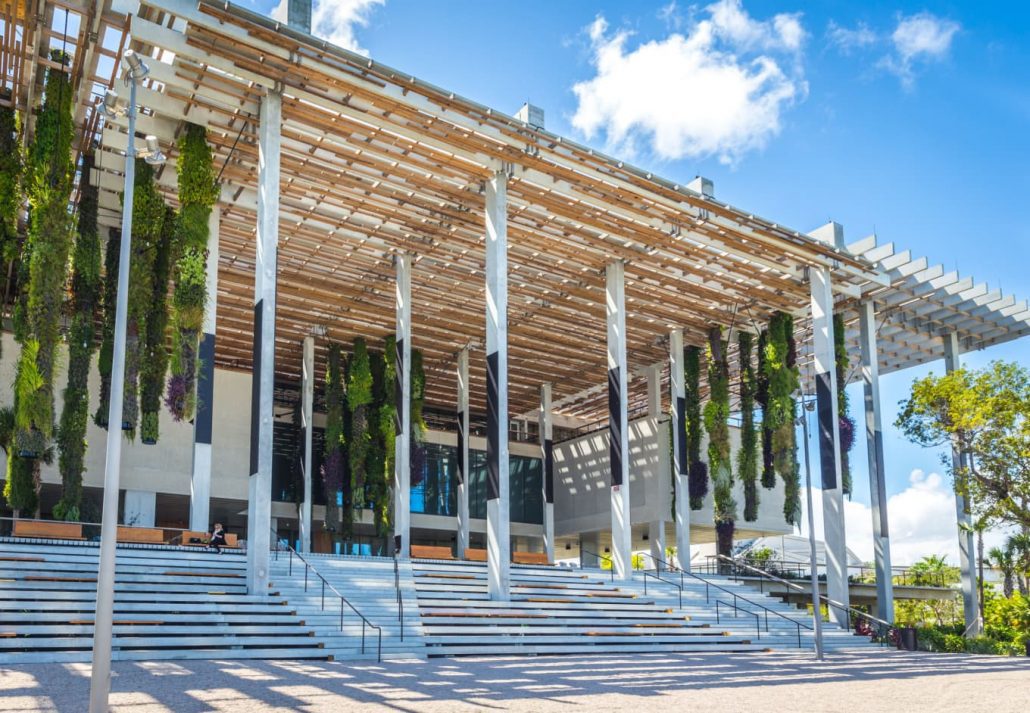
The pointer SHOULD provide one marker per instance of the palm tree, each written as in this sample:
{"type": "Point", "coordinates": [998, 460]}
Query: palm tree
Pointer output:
{"type": "Point", "coordinates": [1019, 547]}
{"type": "Point", "coordinates": [1002, 559]}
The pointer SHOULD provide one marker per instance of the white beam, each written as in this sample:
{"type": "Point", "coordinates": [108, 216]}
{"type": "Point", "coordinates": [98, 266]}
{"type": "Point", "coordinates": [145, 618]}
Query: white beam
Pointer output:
{"type": "Point", "coordinates": [203, 422]}
{"type": "Point", "coordinates": [877, 469]}
{"type": "Point", "coordinates": [259, 511]}
{"type": "Point", "coordinates": [463, 452]}
{"type": "Point", "coordinates": [679, 448]}
{"type": "Point", "coordinates": [402, 459]}
{"type": "Point", "coordinates": [964, 517]}
{"type": "Point", "coordinates": [618, 431]}
{"type": "Point", "coordinates": [307, 386]}
{"type": "Point", "coordinates": [498, 542]}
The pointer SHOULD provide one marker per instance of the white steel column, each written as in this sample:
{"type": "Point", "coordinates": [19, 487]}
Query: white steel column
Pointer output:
{"type": "Point", "coordinates": [307, 401]}
{"type": "Point", "coordinates": [259, 503]}
{"type": "Point", "coordinates": [463, 452]}
{"type": "Point", "coordinates": [402, 459]}
{"type": "Point", "coordinates": [547, 462]}
{"type": "Point", "coordinates": [825, 369]}
{"type": "Point", "coordinates": [618, 433]}
{"type": "Point", "coordinates": [654, 390]}
{"type": "Point", "coordinates": [498, 542]}
{"type": "Point", "coordinates": [656, 536]}
{"type": "Point", "coordinates": [966, 556]}
{"type": "Point", "coordinates": [200, 480]}
{"type": "Point", "coordinates": [877, 472]}
{"type": "Point", "coordinates": [679, 448]}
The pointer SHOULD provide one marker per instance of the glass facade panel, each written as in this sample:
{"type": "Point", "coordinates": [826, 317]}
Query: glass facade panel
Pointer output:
{"type": "Point", "coordinates": [437, 494]}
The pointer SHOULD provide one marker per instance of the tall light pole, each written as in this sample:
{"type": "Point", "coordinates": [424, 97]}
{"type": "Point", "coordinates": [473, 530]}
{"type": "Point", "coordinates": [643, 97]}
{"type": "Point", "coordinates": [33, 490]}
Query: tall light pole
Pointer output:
{"type": "Point", "coordinates": [100, 681]}
{"type": "Point", "coordinates": [813, 563]}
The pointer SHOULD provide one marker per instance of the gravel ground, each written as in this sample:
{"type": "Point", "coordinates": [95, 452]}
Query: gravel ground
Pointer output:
{"type": "Point", "coordinates": [876, 681]}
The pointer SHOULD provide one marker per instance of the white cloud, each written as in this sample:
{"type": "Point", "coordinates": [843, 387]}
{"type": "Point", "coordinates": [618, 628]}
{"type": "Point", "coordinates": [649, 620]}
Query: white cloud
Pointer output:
{"type": "Point", "coordinates": [336, 20]}
{"type": "Point", "coordinates": [921, 519]}
{"type": "Point", "coordinates": [717, 90]}
{"type": "Point", "coordinates": [847, 39]}
{"type": "Point", "coordinates": [918, 38]}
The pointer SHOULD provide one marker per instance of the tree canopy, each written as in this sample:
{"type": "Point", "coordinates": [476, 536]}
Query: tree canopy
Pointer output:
{"type": "Point", "coordinates": [985, 413]}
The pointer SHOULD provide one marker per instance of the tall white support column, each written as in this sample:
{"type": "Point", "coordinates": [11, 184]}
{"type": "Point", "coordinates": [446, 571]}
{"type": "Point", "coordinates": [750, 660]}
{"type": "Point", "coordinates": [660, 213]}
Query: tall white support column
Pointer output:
{"type": "Point", "coordinates": [654, 390]}
{"type": "Point", "coordinates": [402, 460]}
{"type": "Point", "coordinates": [679, 448]}
{"type": "Point", "coordinates": [498, 541]}
{"type": "Point", "coordinates": [463, 451]}
{"type": "Point", "coordinates": [259, 503]}
{"type": "Point", "coordinates": [825, 368]}
{"type": "Point", "coordinates": [877, 471]}
{"type": "Point", "coordinates": [200, 480]}
{"type": "Point", "coordinates": [547, 461]}
{"type": "Point", "coordinates": [656, 536]}
{"type": "Point", "coordinates": [964, 518]}
{"type": "Point", "coordinates": [618, 432]}
{"type": "Point", "coordinates": [307, 404]}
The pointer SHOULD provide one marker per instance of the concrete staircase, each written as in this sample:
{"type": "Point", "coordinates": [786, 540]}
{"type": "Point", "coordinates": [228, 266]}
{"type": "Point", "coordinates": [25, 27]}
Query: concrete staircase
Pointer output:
{"type": "Point", "coordinates": [170, 603]}
{"type": "Point", "coordinates": [368, 583]}
{"type": "Point", "coordinates": [553, 611]}
{"type": "Point", "coordinates": [775, 628]}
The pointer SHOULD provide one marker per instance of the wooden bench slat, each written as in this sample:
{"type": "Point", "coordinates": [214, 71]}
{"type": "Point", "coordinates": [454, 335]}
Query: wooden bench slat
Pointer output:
{"type": "Point", "coordinates": [53, 530]}
{"type": "Point", "coordinates": [431, 552]}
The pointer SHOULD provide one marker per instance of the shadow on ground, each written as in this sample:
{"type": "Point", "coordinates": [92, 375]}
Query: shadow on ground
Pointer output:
{"type": "Point", "coordinates": [649, 681]}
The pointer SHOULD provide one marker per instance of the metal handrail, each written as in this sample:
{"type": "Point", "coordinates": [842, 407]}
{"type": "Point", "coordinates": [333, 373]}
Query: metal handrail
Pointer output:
{"type": "Point", "coordinates": [829, 602]}
{"type": "Point", "coordinates": [325, 583]}
{"type": "Point", "coordinates": [657, 575]}
{"type": "Point", "coordinates": [797, 624]}
{"type": "Point", "coordinates": [801, 570]}
{"type": "Point", "coordinates": [609, 560]}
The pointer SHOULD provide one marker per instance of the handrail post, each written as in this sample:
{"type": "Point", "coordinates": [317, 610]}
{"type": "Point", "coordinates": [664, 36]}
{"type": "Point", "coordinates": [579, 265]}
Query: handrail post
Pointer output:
{"type": "Point", "coordinates": [362, 635]}
{"type": "Point", "coordinates": [323, 592]}
{"type": "Point", "coordinates": [306, 568]}
{"type": "Point", "coordinates": [341, 614]}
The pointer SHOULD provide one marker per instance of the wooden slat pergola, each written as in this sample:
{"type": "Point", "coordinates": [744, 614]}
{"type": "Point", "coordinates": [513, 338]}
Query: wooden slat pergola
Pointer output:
{"type": "Point", "coordinates": [375, 162]}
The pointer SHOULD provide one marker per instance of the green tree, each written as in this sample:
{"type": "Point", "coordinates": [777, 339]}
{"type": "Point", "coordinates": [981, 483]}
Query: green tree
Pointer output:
{"type": "Point", "coordinates": [931, 571]}
{"type": "Point", "coordinates": [984, 414]}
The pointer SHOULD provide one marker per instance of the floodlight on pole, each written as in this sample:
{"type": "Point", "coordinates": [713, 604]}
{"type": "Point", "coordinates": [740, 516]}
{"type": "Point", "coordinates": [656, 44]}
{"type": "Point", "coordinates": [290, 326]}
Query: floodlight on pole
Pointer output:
{"type": "Point", "coordinates": [100, 680]}
{"type": "Point", "coordinates": [813, 561]}
{"type": "Point", "coordinates": [153, 154]}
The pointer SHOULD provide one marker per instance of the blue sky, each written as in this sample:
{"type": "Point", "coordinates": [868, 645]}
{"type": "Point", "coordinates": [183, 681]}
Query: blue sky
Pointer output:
{"type": "Point", "coordinates": [910, 120]}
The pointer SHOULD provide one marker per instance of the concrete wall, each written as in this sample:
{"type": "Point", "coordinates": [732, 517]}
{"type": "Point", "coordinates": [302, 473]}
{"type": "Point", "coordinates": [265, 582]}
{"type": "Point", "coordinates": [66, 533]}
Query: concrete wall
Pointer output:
{"type": "Point", "coordinates": [582, 497]}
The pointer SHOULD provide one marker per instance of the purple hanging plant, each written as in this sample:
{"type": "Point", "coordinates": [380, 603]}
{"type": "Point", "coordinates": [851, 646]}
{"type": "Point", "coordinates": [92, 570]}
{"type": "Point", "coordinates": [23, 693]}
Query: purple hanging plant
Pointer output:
{"type": "Point", "coordinates": [175, 398]}
{"type": "Point", "coordinates": [697, 482]}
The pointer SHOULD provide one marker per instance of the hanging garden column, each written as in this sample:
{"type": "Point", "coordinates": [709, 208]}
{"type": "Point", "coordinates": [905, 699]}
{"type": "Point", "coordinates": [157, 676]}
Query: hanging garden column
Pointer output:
{"type": "Point", "coordinates": [259, 503]}
{"type": "Point", "coordinates": [498, 541]}
{"type": "Point", "coordinates": [966, 556]}
{"type": "Point", "coordinates": [679, 448]}
{"type": "Point", "coordinates": [547, 463]}
{"type": "Point", "coordinates": [655, 528]}
{"type": "Point", "coordinates": [618, 446]}
{"type": "Point", "coordinates": [825, 369]}
{"type": "Point", "coordinates": [200, 479]}
{"type": "Point", "coordinates": [307, 405]}
{"type": "Point", "coordinates": [877, 472]}
{"type": "Point", "coordinates": [463, 452]}
{"type": "Point", "coordinates": [402, 459]}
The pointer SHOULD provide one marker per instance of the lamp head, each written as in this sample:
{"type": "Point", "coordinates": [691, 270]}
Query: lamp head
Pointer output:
{"type": "Point", "coordinates": [152, 154]}
{"type": "Point", "coordinates": [135, 67]}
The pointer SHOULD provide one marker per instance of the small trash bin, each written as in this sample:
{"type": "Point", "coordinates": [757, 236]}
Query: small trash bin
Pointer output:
{"type": "Point", "coordinates": [907, 638]}
{"type": "Point", "coordinates": [1026, 644]}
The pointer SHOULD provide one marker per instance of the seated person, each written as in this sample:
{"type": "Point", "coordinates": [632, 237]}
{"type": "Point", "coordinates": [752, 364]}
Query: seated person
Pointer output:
{"type": "Point", "coordinates": [217, 540]}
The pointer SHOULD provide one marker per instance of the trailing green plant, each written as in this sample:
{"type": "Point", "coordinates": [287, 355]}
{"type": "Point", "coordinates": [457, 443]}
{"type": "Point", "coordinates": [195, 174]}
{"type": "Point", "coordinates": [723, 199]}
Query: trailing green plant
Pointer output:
{"type": "Point", "coordinates": [198, 192]}
{"type": "Point", "coordinates": [10, 187]}
{"type": "Point", "coordinates": [747, 456]}
{"type": "Point", "coordinates": [44, 263]}
{"type": "Point", "coordinates": [762, 397]}
{"type": "Point", "coordinates": [780, 414]}
{"type": "Point", "coordinates": [375, 494]}
{"type": "Point", "coordinates": [417, 453]}
{"type": "Point", "coordinates": [697, 469]}
{"type": "Point", "coordinates": [359, 400]}
{"type": "Point", "coordinates": [108, 301]}
{"type": "Point", "coordinates": [155, 346]}
{"type": "Point", "coordinates": [148, 216]}
{"type": "Point", "coordinates": [846, 424]}
{"type": "Point", "coordinates": [716, 416]}
{"type": "Point", "coordinates": [71, 434]}
{"type": "Point", "coordinates": [334, 466]}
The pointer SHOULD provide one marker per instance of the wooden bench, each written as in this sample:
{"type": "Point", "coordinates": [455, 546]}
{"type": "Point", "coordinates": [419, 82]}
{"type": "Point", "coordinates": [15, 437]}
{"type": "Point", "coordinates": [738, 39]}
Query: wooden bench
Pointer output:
{"type": "Point", "coordinates": [429, 552]}
{"type": "Point", "coordinates": [231, 541]}
{"type": "Point", "coordinates": [141, 535]}
{"type": "Point", "coordinates": [530, 558]}
{"type": "Point", "coordinates": [473, 555]}
{"type": "Point", "coordinates": [52, 530]}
